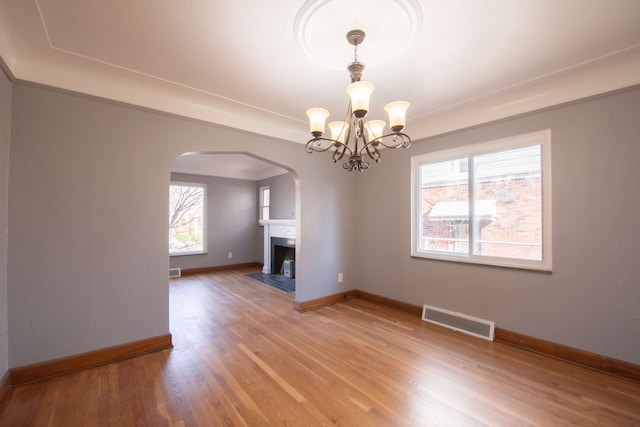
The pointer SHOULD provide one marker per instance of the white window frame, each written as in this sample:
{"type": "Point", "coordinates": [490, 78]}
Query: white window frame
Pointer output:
{"type": "Point", "coordinates": [204, 218]}
{"type": "Point", "coordinates": [541, 138]}
{"type": "Point", "coordinates": [262, 203]}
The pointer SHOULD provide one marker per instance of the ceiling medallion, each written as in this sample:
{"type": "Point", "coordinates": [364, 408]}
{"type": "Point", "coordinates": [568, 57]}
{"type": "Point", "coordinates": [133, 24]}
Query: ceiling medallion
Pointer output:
{"type": "Point", "coordinates": [391, 25]}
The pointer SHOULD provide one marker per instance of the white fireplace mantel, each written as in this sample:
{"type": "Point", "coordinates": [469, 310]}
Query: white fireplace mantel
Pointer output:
{"type": "Point", "coordinates": [275, 228]}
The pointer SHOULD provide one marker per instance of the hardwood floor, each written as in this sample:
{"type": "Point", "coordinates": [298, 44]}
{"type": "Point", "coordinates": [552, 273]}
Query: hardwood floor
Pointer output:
{"type": "Point", "coordinates": [243, 357]}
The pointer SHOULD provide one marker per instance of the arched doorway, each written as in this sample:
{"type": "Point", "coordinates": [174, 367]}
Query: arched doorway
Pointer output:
{"type": "Point", "coordinates": [234, 230]}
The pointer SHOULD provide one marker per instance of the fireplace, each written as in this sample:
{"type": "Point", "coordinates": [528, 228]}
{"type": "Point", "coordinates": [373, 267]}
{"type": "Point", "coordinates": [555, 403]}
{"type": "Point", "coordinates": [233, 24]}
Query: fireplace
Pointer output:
{"type": "Point", "coordinates": [279, 244]}
{"type": "Point", "coordinates": [282, 249]}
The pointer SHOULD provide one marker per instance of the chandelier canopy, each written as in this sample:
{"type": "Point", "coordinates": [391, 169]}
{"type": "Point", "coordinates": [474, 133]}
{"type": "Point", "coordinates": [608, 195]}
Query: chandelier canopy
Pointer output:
{"type": "Point", "coordinates": [354, 137]}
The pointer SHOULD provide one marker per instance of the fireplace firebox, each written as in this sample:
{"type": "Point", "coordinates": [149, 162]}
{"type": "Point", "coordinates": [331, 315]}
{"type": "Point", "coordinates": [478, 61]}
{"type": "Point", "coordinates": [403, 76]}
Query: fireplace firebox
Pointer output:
{"type": "Point", "coordinates": [282, 249]}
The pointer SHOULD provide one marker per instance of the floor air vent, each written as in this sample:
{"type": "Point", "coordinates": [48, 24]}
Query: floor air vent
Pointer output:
{"type": "Point", "coordinates": [459, 322]}
{"type": "Point", "coordinates": [174, 272]}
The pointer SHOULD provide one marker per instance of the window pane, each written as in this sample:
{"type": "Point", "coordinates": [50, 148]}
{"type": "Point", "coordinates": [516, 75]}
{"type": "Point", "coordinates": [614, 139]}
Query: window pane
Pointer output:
{"type": "Point", "coordinates": [444, 207]}
{"type": "Point", "coordinates": [508, 204]}
{"type": "Point", "coordinates": [266, 195]}
{"type": "Point", "coordinates": [186, 222]}
{"type": "Point", "coordinates": [265, 201]}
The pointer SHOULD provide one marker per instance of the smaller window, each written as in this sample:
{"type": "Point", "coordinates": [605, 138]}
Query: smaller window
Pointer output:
{"type": "Point", "coordinates": [265, 196]}
{"type": "Point", "coordinates": [187, 205]}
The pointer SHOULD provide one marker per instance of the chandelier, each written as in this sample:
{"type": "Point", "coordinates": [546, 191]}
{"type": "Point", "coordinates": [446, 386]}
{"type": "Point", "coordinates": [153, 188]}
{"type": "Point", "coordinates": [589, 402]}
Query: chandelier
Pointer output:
{"type": "Point", "coordinates": [354, 137]}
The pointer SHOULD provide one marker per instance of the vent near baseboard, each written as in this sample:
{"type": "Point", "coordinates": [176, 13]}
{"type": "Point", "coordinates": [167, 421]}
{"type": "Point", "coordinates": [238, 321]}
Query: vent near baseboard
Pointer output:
{"type": "Point", "coordinates": [459, 322]}
{"type": "Point", "coordinates": [174, 272]}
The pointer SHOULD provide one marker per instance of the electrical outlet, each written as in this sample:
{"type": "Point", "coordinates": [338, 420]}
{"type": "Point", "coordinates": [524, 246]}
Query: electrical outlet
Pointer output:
{"type": "Point", "coordinates": [340, 277]}
{"type": "Point", "coordinates": [230, 255]}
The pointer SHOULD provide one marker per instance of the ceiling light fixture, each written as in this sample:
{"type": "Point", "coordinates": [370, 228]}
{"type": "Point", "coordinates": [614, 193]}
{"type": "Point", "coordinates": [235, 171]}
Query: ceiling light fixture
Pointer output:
{"type": "Point", "coordinates": [360, 137]}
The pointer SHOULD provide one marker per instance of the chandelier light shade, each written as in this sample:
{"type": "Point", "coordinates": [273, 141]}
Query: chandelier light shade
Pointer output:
{"type": "Point", "coordinates": [317, 118]}
{"type": "Point", "coordinates": [339, 131]}
{"type": "Point", "coordinates": [359, 94]}
{"type": "Point", "coordinates": [374, 129]}
{"type": "Point", "coordinates": [397, 112]}
{"type": "Point", "coordinates": [354, 137]}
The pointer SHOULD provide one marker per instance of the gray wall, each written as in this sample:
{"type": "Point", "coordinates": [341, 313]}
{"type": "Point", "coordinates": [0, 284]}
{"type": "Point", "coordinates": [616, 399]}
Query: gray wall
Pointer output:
{"type": "Point", "coordinates": [87, 265]}
{"type": "Point", "coordinates": [283, 196]}
{"type": "Point", "coordinates": [591, 300]}
{"type": "Point", "coordinates": [232, 223]}
{"type": "Point", "coordinates": [5, 137]}
{"type": "Point", "coordinates": [88, 194]}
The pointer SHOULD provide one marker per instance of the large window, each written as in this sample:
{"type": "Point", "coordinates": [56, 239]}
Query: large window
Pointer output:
{"type": "Point", "coordinates": [187, 219]}
{"type": "Point", "coordinates": [488, 203]}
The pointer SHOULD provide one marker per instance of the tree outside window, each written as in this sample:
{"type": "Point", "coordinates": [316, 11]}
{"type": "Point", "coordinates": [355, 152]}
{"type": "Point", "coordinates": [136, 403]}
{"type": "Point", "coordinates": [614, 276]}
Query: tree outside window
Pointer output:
{"type": "Point", "coordinates": [186, 219]}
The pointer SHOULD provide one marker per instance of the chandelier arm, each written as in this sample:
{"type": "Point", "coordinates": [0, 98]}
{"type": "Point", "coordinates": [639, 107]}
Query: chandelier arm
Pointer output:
{"type": "Point", "coordinates": [400, 140]}
{"type": "Point", "coordinates": [359, 135]}
{"type": "Point", "coordinates": [356, 163]}
{"type": "Point", "coordinates": [350, 128]}
{"type": "Point", "coordinates": [314, 145]}
{"type": "Point", "coordinates": [339, 152]}
{"type": "Point", "coordinates": [373, 152]}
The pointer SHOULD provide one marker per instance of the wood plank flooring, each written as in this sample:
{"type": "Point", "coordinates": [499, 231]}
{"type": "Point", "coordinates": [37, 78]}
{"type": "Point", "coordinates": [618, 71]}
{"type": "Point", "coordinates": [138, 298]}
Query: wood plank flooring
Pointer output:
{"type": "Point", "coordinates": [244, 357]}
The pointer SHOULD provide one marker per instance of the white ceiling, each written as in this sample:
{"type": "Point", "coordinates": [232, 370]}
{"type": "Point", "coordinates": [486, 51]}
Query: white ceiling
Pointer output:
{"type": "Point", "coordinates": [258, 65]}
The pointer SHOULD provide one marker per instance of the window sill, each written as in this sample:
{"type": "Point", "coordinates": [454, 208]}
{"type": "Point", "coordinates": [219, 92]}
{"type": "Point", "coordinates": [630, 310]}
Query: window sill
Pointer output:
{"type": "Point", "coordinates": [188, 253]}
{"type": "Point", "coordinates": [493, 262]}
